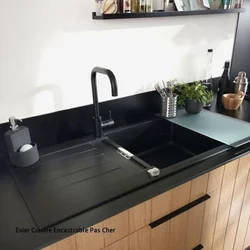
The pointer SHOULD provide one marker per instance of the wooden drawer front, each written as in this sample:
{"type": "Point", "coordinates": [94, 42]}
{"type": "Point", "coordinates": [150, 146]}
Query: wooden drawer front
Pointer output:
{"type": "Point", "coordinates": [195, 215]}
{"type": "Point", "coordinates": [217, 209]}
{"type": "Point", "coordinates": [118, 222]}
{"type": "Point", "coordinates": [139, 240]}
{"type": "Point", "coordinates": [173, 234]}
{"type": "Point", "coordinates": [183, 231]}
{"type": "Point", "coordinates": [92, 240]}
{"type": "Point", "coordinates": [163, 235]}
{"type": "Point", "coordinates": [66, 244]}
{"type": "Point", "coordinates": [128, 222]}
{"type": "Point", "coordinates": [139, 216]}
{"type": "Point", "coordinates": [178, 197]}
{"type": "Point", "coordinates": [226, 216]}
{"type": "Point", "coordinates": [170, 201]}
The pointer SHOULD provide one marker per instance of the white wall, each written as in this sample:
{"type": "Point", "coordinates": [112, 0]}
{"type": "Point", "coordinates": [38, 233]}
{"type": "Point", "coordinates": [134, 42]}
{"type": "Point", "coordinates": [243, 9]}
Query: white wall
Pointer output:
{"type": "Point", "coordinates": [48, 48]}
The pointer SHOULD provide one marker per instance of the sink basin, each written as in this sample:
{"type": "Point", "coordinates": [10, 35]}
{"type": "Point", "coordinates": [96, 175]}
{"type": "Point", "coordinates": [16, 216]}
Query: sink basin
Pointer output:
{"type": "Point", "coordinates": [161, 143]}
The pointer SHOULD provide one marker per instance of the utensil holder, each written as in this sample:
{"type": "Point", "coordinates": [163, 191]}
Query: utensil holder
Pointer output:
{"type": "Point", "coordinates": [169, 106]}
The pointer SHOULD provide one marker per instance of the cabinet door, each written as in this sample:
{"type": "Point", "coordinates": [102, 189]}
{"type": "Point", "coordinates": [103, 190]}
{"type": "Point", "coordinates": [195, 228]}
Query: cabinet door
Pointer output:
{"type": "Point", "coordinates": [227, 213]}
{"type": "Point", "coordinates": [246, 201]}
{"type": "Point", "coordinates": [91, 240]}
{"type": "Point", "coordinates": [181, 227]}
{"type": "Point", "coordinates": [215, 179]}
{"type": "Point", "coordinates": [195, 215]}
{"type": "Point", "coordinates": [121, 226]}
{"type": "Point", "coordinates": [167, 235]}
{"type": "Point", "coordinates": [241, 232]}
{"type": "Point", "coordinates": [139, 240]}
{"type": "Point", "coordinates": [160, 237]}
{"type": "Point", "coordinates": [122, 244]}
{"type": "Point", "coordinates": [226, 196]}
{"type": "Point", "coordinates": [66, 244]}
{"type": "Point", "coordinates": [139, 216]}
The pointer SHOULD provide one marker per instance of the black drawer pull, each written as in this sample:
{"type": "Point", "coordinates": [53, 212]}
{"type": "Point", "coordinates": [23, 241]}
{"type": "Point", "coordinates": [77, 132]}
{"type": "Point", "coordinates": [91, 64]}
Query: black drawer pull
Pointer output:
{"type": "Point", "coordinates": [198, 247]}
{"type": "Point", "coordinates": [179, 211]}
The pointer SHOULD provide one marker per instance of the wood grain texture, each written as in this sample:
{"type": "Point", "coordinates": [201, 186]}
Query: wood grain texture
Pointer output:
{"type": "Point", "coordinates": [230, 172]}
{"type": "Point", "coordinates": [178, 232]}
{"type": "Point", "coordinates": [195, 215]}
{"type": "Point", "coordinates": [140, 240]}
{"type": "Point", "coordinates": [122, 244]}
{"type": "Point", "coordinates": [218, 241]}
{"type": "Point", "coordinates": [209, 219]}
{"type": "Point", "coordinates": [224, 206]}
{"type": "Point", "coordinates": [178, 225]}
{"type": "Point", "coordinates": [246, 201]}
{"type": "Point", "coordinates": [160, 237]}
{"type": "Point", "coordinates": [247, 237]}
{"type": "Point", "coordinates": [139, 216]}
{"type": "Point", "coordinates": [194, 226]}
{"type": "Point", "coordinates": [230, 236]}
{"type": "Point", "coordinates": [244, 166]}
{"type": "Point", "coordinates": [161, 205]}
{"type": "Point", "coordinates": [120, 224]}
{"type": "Point", "coordinates": [237, 200]}
{"type": "Point", "coordinates": [198, 187]}
{"type": "Point", "coordinates": [66, 244]}
{"type": "Point", "coordinates": [91, 240]}
{"type": "Point", "coordinates": [180, 196]}
{"type": "Point", "coordinates": [241, 232]}
{"type": "Point", "coordinates": [215, 179]}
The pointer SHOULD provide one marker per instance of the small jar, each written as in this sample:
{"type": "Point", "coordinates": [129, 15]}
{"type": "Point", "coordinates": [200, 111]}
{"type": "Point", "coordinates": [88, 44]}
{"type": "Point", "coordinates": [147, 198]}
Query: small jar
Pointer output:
{"type": "Point", "coordinates": [134, 6]}
{"type": "Point", "coordinates": [149, 6]}
{"type": "Point", "coordinates": [238, 4]}
{"type": "Point", "coordinates": [126, 6]}
{"type": "Point", "coordinates": [142, 5]}
{"type": "Point", "coordinates": [98, 4]}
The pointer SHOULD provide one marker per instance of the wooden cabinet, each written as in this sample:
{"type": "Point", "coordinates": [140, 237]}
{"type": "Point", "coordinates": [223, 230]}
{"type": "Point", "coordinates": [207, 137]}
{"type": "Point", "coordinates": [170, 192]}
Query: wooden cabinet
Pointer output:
{"type": "Point", "coordinates": [195, 215]}
{"type": "Point", "coordinates": [120, 223]}
{"type": "Point", "coordinates": [92, 240]}
{"type": "Point", "coordinates": [66, 244]}
{"type": "Point", "coordinates": [226, 216]}
{"type": "Point", "coordinates": [139, 216]}
{"type": "Point", "coordinates": [212, 210]}
{"type": "Point", "coordinates": [184, 230]}
{"type": "Point", "coordinates": [139, 240]}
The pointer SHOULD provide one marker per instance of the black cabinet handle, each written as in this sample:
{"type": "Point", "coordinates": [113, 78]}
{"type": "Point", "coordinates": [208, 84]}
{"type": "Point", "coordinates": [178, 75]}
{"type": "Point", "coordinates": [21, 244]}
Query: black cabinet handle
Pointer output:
{"type": "Point", "coordinates": [199, 247]}
{"type": "Point", "coordinates": [179, 211]}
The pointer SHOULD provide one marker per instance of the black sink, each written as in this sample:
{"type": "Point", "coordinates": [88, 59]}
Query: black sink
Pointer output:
{"type": "Point", "coordinates": [161, 143]}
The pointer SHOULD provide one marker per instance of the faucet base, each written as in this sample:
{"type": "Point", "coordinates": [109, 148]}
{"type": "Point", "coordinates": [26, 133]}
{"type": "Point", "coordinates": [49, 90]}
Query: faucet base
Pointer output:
{"type": "Point", "coordinates": [98, 127]}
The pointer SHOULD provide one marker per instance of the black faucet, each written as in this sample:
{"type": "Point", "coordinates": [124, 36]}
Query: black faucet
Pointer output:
{"type": "Point", "coordinates": [98, 123]}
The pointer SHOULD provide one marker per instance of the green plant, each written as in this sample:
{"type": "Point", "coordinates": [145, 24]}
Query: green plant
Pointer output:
{"type": "Point", "coordinates": [194, 91]}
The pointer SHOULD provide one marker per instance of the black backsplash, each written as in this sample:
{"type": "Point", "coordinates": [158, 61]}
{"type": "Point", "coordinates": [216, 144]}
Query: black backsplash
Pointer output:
{"type": "Point", "coordinates": [59, 127]}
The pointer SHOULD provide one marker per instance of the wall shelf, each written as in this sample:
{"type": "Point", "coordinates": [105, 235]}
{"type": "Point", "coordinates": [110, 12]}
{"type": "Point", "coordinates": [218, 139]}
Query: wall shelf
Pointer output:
{"type": "Point", "coordinates": [165, 14]}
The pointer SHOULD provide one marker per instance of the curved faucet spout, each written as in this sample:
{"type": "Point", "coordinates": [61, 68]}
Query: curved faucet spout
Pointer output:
{"type": "Point", "coordinates": [114, 90]}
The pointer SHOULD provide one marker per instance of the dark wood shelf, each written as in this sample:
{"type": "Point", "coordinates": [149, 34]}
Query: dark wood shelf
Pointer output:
{"type": "Point", "coordinates": [165, 14]}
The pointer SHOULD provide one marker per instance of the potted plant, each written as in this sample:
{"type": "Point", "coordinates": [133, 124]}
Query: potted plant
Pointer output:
{"type": "Point", "coordinates": [194, 96]}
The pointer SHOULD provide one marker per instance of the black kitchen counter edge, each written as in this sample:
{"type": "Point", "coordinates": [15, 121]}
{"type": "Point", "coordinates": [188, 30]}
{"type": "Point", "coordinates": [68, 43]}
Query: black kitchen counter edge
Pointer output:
{"type": "Point", "coordinates": [14, 212]}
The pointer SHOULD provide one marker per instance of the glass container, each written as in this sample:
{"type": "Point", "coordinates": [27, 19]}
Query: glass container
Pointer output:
{"type": "Point", "coordinates": [149, 5]}
{"type": "Point", "coordinates": [209, 78]}
{"type": "Point", "coordinates": [135, 6]}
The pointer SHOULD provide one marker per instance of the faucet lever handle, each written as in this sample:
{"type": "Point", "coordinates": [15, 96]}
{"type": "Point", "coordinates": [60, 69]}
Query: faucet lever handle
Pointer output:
{"type": "Point", "coordinates": [108, 123]}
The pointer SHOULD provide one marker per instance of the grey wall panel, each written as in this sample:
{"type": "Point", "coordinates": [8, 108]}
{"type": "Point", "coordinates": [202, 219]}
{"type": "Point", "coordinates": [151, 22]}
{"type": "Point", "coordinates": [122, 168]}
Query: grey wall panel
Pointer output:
{"type": "Point", "coordinates": [241, 55]}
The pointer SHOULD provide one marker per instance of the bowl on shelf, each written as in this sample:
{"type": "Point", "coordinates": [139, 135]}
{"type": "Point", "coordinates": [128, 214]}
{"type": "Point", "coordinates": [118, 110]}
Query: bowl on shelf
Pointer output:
{"type": "Point", "coordinates": [232, 101]}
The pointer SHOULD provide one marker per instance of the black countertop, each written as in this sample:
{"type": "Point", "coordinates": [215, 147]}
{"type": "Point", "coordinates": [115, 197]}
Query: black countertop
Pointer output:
{"type": "Point", "coordinates": [14, 213]}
